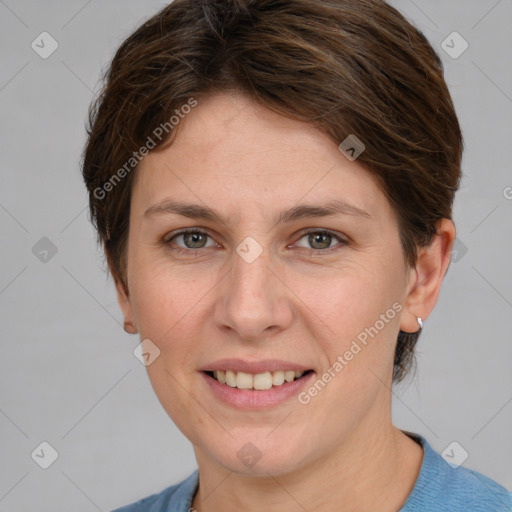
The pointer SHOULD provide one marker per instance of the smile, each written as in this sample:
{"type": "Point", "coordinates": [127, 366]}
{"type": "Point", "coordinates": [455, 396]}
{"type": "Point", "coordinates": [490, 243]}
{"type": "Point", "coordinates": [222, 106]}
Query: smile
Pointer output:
{"type": "Point", "coordinates": [258, 381]}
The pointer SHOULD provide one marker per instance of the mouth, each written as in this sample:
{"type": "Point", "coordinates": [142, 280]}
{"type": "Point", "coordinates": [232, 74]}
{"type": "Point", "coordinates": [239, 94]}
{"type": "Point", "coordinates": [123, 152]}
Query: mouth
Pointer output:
{"type": "Point", "coordinates": [256, 381]}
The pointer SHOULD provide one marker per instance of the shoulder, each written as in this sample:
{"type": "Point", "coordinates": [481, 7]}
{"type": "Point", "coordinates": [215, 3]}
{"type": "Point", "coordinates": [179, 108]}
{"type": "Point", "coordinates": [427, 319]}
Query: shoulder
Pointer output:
{"type": "Point", "coordinates": [441, 486]}
{"type": "Point", "coordinates": [175, 498]}
{"type": "Point", "coordinates": [469, 491]}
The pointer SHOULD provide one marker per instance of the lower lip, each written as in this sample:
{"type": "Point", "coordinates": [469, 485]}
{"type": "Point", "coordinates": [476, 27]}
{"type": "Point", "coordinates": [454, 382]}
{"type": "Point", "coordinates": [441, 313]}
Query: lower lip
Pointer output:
{"type": "Point", "coordinates": [252, 399]}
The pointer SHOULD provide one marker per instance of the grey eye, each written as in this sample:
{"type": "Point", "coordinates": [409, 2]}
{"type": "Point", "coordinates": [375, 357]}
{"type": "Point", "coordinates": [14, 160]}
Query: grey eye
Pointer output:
{"type": "Point", "coordinates": [319, 240]}
{"type": "Point", "coordinates": [194, 240]}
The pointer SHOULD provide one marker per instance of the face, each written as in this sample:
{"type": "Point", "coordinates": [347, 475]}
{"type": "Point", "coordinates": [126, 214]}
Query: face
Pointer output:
{"type": "Point", "coordinates": [267, 279]}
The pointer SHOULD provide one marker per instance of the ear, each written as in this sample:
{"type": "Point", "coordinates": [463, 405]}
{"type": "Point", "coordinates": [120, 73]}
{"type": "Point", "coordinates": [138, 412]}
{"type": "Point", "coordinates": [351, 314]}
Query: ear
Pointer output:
{"type": "Point", "coordinates": [126, 307]}
{"type": "Point", "coordinates": [426, 277]}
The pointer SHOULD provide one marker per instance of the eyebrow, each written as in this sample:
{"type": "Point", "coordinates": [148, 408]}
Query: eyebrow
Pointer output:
{"type": "Point", "coordinates": [302, 211]}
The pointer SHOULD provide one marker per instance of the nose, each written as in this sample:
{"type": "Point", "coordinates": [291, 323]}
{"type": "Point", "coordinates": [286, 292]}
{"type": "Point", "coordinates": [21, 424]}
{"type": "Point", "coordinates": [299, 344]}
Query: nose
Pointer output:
{"type": "Point", "coordinates": [253, 301]}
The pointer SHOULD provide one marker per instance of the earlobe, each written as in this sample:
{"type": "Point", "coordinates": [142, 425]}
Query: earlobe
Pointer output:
{"type": "Point", "coordinates": [427, 276]}
{"type": "Point", "coordinates": [130, 328]}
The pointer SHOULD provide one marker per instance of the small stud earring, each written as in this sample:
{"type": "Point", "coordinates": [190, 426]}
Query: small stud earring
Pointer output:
{"type": "Point", "coordinates": [130, 328]}
{"type": "Point", "coordinates": [420, 322]}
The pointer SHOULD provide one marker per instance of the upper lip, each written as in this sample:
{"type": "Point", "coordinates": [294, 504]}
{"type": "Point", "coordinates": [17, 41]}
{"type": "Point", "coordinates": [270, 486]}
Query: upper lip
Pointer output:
{"type": "Point", "coordinates": [267, 365]}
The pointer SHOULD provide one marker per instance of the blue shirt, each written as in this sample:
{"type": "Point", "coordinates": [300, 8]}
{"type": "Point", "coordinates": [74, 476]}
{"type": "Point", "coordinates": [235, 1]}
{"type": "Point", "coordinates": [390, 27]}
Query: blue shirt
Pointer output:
{"type": "Point", "coordinates": [438, 488]}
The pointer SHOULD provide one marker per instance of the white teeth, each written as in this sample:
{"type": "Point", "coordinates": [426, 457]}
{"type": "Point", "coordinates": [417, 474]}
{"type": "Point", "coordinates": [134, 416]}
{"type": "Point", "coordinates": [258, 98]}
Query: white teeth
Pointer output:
{"type": "Point", "coordinates": [277, 378]}
{"type": "Point", "coordinates": [259, 381]}
{"type": "Point", "coordinates": [243, 380]}
{"type": "Point", "coordinates": [263, 381]}
{"type": "Point", "coordinates": [289, 375]}
{"type": "Point", "coordinates": [231, 379]}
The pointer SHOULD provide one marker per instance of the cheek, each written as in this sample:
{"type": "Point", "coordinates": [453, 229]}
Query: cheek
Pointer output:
{"type": "Point", "coordinates": [360, 313]}
{"type": "Point", "coordinates": [353, 299]}
{"type": "Point", "coordinates": [164, 297]}
{"type": "Point", "coordinates": [357, 350]}
{"type": "Point", "coordinates": [167, 311]}
{"type": "Point", "coordinates": [156, 308]}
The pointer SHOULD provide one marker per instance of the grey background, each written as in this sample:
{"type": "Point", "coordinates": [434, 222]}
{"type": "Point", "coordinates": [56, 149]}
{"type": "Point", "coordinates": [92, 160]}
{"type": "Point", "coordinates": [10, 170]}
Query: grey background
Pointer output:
{"type": "Point", "coordinates": [68, 374]}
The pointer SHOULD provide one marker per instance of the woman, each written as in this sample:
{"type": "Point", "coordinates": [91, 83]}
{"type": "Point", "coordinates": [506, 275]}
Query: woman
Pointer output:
{"type": "Point", "coordinates": [272, 182]}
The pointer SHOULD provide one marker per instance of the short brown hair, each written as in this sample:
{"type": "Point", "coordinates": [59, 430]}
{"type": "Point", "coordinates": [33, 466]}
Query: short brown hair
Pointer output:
{"type": "Point", "coordinates": [347, 66]}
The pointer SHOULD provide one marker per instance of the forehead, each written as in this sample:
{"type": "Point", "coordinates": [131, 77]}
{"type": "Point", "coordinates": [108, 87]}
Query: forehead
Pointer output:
{"type": "Point", "coordinates": [231, 146]}
{"type": "Point", "coordinates": [231, 129]}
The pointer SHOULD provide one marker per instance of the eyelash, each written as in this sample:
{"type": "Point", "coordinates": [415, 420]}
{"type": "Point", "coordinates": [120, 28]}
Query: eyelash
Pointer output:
{"type": "Point", "coordinates": [181, 250]}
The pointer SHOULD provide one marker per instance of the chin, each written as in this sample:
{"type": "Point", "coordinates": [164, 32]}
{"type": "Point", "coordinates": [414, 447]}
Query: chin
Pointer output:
{"type": "Point", "coordinates": [262, 468]}
{"type": "Point", "coordinates": [254, 459]}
